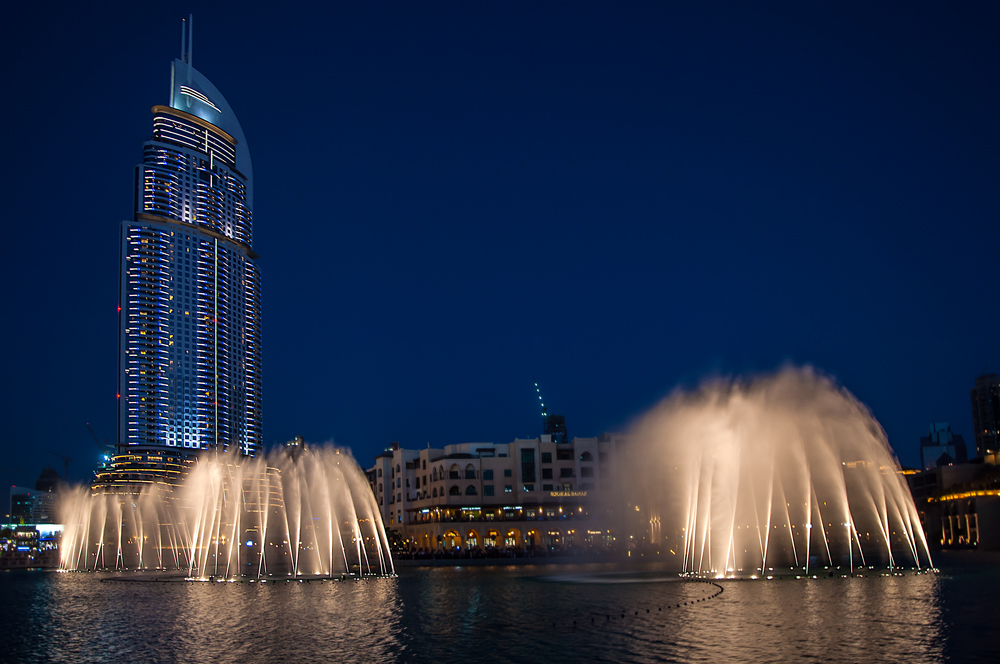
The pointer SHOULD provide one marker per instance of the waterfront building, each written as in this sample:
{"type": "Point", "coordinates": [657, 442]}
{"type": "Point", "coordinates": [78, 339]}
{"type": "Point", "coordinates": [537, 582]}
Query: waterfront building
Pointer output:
{"type": "Point", "coordinates": [941, 447]}
{"type": "Point", "coordinates": [528, 494]}
{"type": "Point", "coordinates": [986, 414]}
{"type": "Point", "coordinates": [27, 545]}
{"type": "Point", "coordinates": [189, 312]}
{"type": "Point", "coordinates": [959, 505]}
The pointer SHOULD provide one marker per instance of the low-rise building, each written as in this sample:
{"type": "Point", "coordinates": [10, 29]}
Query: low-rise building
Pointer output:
{"type": "Point", "coordinates": [527, 494]}
{"type": "Point", "coordinates": [24, 546]}
{"type": "Point", "coordinates": [959, 505]}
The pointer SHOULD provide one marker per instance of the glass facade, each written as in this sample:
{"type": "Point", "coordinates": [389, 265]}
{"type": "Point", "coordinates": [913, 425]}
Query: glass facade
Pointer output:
{"type": "Point", "coordinates": [189, 374]}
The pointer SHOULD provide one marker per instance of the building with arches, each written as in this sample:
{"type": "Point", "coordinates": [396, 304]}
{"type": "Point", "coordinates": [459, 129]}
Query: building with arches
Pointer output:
{"type": "Point", "coordinates": [532, 493]}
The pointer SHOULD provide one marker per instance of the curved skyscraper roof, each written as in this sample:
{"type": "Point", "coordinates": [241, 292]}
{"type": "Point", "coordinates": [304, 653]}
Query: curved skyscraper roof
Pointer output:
{"type": "Point", "coordinates": [191, 92]}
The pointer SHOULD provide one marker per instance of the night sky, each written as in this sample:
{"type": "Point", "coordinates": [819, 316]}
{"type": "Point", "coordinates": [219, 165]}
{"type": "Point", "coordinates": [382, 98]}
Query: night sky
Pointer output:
{"type": "Point", "coordinates": [451, 198]}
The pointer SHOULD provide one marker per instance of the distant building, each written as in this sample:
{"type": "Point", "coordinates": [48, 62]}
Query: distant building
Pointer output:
{"type": "Point", "coordinates": [555, 426]}
{"type": "Point", "coordinates": [36, 505]}
{"type": "Point", "coordinates": [32, 506]}
{"type": "Point", "coordinates": [941, 447]}
{"type": "Point", "coordinates": [49, 480]}
{"type": "Point", "coordinates": [295, 447]}
{"type": "Point", "coordinates": [986, 415]}
{"type": "Point", "coordinates": [527, 494]}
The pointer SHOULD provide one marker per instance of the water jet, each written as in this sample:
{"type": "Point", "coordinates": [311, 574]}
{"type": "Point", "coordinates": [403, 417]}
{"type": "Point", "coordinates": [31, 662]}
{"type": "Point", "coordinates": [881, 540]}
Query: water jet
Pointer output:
{"type": "Point", "coordinates": [787, 471]}
{"type": "Point", "coordinates": [308, 514]}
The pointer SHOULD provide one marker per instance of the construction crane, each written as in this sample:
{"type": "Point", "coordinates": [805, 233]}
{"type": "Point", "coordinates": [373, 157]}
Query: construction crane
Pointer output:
{"type": "Point", "coordinates": [66, 461]}
{"type": "Point", "coordinates": [105, 447]}
{"type": "Point", "coordinates": [542, 403]}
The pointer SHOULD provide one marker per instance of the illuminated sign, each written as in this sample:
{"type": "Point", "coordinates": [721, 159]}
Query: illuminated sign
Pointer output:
{"type": "Point", "coordinates": [567, 494]}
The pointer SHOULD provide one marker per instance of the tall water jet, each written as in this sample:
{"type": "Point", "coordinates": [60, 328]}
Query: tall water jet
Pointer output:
{"type": "Point", "coordinates": [783, 473]}
{"type": "Point", "coordinates": [306, 513]}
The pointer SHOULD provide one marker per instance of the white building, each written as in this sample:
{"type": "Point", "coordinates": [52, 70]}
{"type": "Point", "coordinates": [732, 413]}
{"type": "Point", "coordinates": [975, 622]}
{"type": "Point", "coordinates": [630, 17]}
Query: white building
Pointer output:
{"type": "Point", "coordinates": [476, 496]}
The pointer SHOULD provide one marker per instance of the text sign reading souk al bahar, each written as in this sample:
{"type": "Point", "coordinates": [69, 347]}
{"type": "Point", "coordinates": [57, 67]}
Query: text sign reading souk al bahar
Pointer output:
{"type": "Point", "coordinates": [567, 494]}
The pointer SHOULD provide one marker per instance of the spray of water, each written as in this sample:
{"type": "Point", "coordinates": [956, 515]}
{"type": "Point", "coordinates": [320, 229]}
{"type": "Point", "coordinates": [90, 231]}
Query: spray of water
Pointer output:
{"type": "Point", "coordinates": [782, 473]}
{"type": "Point", "coordinates": [311, 513]}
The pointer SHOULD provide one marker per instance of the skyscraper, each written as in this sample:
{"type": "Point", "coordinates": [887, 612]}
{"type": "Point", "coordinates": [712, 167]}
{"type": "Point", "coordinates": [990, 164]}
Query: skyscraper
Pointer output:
{"type": "Point", "coordinates": [986, 414]}
{"type": "Point", "coordinates": [189, 313]}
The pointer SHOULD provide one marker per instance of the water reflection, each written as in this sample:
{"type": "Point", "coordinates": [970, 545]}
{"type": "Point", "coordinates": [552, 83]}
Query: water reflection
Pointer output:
{"type": "Point", "coordinates": [483, 614]}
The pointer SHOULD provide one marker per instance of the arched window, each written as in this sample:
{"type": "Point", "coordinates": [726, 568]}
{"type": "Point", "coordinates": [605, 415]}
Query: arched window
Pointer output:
{"type": "Point", "coordinates": [434, 493]}
{"type": "Point", "coordinates": [470, 472]}
{"type": "Point", "coordinates": [434, 475]}
{"type": "Point", "coordinates": [441, 472]}
{"type": "Point", "coordinates": [453, 472]}
{"type": "Point", "coordinates": [586, 456]}
{"type": "Point", "coordinates": [397, 467]}
{"type": "Point", "coordinates": [380, 487]}
{"type": "Point", "coordinates": [454, 491]}
{"type": "Point", "coordinates": [470, 490]}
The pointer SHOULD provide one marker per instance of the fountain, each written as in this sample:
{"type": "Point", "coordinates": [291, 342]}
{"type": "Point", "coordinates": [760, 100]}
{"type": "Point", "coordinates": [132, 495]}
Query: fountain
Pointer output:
{"type": "Point", "coordinates": [308, 512]}
{"type": "Point", "coordinates": [785, 474]}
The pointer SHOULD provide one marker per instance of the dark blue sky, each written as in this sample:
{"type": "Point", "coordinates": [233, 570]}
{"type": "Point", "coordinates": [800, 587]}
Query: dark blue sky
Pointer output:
{"type": "Point", "coordinates": [451, 198]}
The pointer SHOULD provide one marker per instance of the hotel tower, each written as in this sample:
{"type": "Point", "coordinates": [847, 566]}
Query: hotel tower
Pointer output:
{"type": "Point", "coordinates": [189, 312]}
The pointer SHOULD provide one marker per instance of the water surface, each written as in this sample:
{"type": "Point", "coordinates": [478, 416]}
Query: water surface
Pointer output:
{"type": "Point", "coordinates": [539, 613]}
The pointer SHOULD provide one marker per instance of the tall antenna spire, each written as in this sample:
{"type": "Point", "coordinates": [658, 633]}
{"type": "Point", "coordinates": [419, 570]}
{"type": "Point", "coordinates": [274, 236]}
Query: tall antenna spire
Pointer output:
{"type": "Point", "coordinates": [187, 39]}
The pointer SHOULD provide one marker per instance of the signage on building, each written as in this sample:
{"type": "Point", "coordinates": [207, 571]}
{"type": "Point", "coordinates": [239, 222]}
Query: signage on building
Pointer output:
{"type": "Point", "coordinates": [567, 494]}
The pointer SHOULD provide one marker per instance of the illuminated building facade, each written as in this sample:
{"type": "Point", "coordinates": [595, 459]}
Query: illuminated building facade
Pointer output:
{"type": "Point", "coordinates": [959, 505]}
{"type": "Point", "coordinates": [531, 494]}
{"type": "Point", "coordinates": [189, 321]}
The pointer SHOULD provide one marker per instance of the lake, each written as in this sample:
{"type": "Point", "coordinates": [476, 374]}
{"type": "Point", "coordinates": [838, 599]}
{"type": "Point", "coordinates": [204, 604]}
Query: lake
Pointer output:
{"type": "Point", "coordinates": [526, 613]}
